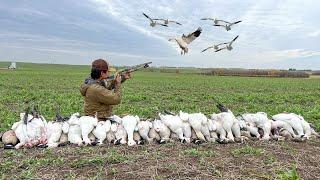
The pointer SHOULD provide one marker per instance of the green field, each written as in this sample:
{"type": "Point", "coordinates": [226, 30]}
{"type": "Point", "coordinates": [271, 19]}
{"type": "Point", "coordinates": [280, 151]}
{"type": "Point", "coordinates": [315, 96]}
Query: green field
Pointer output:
{"type": "Point", "coordinates": [151, 92]}
{"type": "Point", "coordinates": [146, 94]}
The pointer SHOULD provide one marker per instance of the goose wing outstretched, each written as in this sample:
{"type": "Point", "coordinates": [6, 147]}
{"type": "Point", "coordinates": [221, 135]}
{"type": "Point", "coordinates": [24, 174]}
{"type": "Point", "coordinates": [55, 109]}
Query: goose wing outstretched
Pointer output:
{"type": "Point", "coordinates": [225, 21]}
{"type": "Point", "coordinates": [219, 25]}
{"type": "Point", "coordinates": [235, 22]}
{"type": "Point", "coordinates": [148, 17]}
{"type": "Point", "coordinates": [220, 49]}
{"type": "Point", "coordinates": [175, 22]}
{"type": "Point", "coordinates": [159, 19]}
{"type": "Point", "coordinates": [167, 21]}
{"type": "Point", "coordinates": [207, 48]}
{"type": "Point", "coordinates": [233, 40]}
{"type": "Point", "coordinates": [207, 19]}
{"type": "Point", "coordinates": [192, 36]}
{"type": "Point", "coordinates": [162, 24]}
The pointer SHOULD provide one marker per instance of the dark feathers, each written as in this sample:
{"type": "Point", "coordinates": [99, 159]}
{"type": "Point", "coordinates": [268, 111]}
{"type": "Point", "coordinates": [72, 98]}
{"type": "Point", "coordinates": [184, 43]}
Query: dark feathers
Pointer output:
{"type": "Point", "coordinates": [168, 112]}
{"type": "Point", "coordinates": [25, 117]}
{"type": "Point", "coordinates": [222, 108]}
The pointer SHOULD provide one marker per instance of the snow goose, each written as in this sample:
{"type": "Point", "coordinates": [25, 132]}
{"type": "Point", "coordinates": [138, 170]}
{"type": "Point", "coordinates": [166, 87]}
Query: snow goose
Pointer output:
{"type": "Point", "coordinates": [215, 46]}
{"type": "Point", "coordinates": [227, 25]}
{"type": "Point", "coordinates": [228, 45]}
{"type": "Point", "coordinates": [167, 21]}
{"type": "Point", "coordinates": [185, 40]}
{"type": "Point", "coordinates": [153, 23]}
{"type": "Point", "coordinates": [215, 20]}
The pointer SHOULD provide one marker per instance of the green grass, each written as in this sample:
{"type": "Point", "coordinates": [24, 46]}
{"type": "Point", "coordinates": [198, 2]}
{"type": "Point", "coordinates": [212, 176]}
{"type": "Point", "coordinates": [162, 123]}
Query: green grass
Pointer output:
{"type": "Point", "coordinates": [247, 150]}
{"type": "Point", "coordinates": [150, 92]}
{"type": "Point", "coordinates": [288, 174]}
{"type": "Point", "coordinates": [111, 157]}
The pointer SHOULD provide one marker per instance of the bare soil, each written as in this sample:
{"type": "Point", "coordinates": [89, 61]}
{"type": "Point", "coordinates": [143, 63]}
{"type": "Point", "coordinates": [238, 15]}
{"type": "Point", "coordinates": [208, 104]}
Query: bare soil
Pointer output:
{"type": "Point", "coordinates": [250, 160]}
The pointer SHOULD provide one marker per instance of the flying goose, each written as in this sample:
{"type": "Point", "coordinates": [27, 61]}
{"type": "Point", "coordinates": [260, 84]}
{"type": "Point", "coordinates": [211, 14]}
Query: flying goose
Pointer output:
{"type": "Point", "coordinates": [215, 20]}
{"type": "Point", "coordinates": [228, 46]}
{"type": "Point", "coordinates": [215, 46]}
{"type": "Point", "coordinates": [167, 21]}
{"type": "Point", "coordinates": [227, 24]}
{"type": "Point", "coordinates": [185, 40]}
{"type": "Point", "coordinates": [153, 23]}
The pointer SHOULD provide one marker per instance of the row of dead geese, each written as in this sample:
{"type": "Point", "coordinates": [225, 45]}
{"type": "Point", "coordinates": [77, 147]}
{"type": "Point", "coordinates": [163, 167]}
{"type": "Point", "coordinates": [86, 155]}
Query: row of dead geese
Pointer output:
{"type": "Point", "coordinates": [184, 40]}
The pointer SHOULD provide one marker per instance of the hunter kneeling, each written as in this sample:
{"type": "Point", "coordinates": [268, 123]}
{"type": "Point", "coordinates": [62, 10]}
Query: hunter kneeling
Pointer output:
{"type": "Point", "coordinates": [99, 95]}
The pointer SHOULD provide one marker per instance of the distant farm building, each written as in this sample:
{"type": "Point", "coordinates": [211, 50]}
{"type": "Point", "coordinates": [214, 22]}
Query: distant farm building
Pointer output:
{"type": "Point", "coordinates": [13, 65]}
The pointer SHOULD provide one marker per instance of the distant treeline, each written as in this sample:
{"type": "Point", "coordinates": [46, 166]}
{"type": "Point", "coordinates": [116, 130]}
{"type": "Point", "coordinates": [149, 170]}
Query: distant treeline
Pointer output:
{"type": "Point", "coordinates": [255, 73]}
{"type": "Point", "coordinates": [237, 72]}
{"type": "Point", "coordinates": [315, 73]}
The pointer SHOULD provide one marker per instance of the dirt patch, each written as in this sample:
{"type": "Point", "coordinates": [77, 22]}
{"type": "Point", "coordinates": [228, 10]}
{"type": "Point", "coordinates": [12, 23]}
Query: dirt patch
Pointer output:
{"type": "Point", "coordinates": [314, 76]}
{"type": "Point", "coordinates": [252, 160]}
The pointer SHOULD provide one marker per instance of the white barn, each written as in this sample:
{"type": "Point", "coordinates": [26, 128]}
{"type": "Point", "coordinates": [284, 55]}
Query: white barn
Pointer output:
{"type": "Point", "coordinates": [13, 65]}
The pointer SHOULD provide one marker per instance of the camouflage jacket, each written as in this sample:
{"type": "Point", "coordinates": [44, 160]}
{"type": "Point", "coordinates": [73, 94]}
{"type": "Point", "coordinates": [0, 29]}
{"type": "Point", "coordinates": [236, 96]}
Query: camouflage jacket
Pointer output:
{"type": "Point", "coordinates": [99, 97]}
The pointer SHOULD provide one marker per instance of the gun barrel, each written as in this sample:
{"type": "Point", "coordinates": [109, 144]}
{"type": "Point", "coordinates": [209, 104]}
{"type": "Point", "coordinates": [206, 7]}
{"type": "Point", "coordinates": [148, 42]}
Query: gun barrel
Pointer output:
{"type": "Point", "coordinates": [130, 69]}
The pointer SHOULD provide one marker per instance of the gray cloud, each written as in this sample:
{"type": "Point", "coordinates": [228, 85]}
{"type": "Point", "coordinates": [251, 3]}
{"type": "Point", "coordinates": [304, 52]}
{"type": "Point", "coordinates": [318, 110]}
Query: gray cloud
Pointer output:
{"type": "Point", "coordinates": [75, 32]}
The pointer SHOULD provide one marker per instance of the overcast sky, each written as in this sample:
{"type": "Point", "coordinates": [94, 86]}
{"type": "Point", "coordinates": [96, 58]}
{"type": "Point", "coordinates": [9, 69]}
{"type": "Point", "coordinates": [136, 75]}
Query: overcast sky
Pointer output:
{"type": "Point", "coordinates": [272, 34]}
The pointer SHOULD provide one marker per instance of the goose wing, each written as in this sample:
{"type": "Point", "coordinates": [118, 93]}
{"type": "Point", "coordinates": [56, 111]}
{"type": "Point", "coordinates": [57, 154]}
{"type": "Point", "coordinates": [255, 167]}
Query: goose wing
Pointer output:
{"type": "Point", "coordinates": [221, 44]}
{"type": "Point", "coordinates": [207, 19]}
{"type": "Point", "coordinates": [224, 21]}
{"type": "Point", "coordinates": [147, 17]}
{"type": "Point", "coordinates": [233, 40]}
{"type": "Point", "coordinates": [159, 19]}
{"type": "Point", "coordinates": [162, 24]}
{"type": "Point", "coordinates": [175, 22]}
{"type": "Point", "coordinates": [192, 36]}
{"type": "Point", "coordinates": [220, 49]}
{"type": "Point", "coordinates": [219, 25]}
{"type": "Point", "coordinates": [235, 22]}
{"type": "Point", "coordinates": [207, 48]}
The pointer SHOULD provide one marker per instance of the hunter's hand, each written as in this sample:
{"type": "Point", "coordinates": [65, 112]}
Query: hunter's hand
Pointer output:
{"type": "Point", "coordinates": [118, 79]}
{"type": "Point", "coordinates": [127, 75]}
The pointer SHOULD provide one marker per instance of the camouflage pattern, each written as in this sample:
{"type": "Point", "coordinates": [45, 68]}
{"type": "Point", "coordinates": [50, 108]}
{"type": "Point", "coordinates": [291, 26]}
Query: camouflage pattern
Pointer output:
{"type": "Point", "coordinates": [99, 97]}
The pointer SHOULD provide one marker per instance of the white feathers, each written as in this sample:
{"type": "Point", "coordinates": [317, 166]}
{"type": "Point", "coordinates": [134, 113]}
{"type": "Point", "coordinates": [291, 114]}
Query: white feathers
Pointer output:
{"type": "Point", "coordinates": [185, 40]}
{"type": "Point", "coordinates": [30, 131]}
{"type": "Point", "coordinates": [259, 120]}
{"type": "Point", "coordinates": [54, 131]}
{"type": "Point", "coordinates": [87, 124]}
{"type": "Point", "coordinates": [294, 124]}
{"type": "Point", "coordinates": [129, 123]}
{"type": "Point", "coordinates": [101, 130]}
{"type": "Point", "coordinates": [162, 130]}
{"type": "Point", "coordinates": [174, 123]}
{"type": "Point", "coordinates": [197, 121]}
{"type": "Point", "coordinates": [185, 127]}
{"type": "Point", "coordinates": [143, 129]}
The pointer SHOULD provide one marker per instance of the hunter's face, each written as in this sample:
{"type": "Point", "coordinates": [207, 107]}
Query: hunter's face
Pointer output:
{"type": "Point", "coordinates": [104, 74]}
